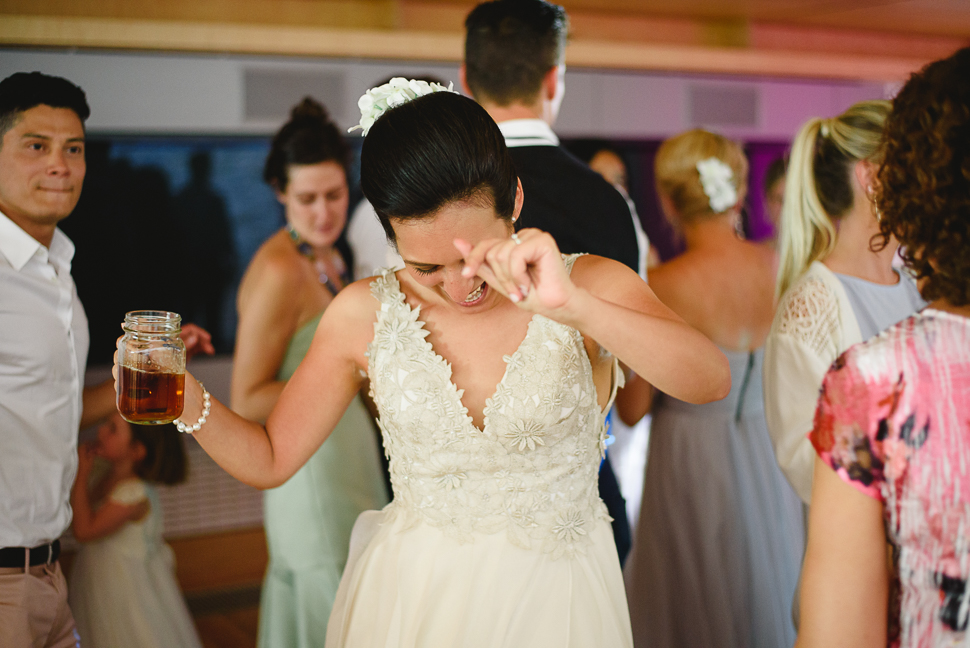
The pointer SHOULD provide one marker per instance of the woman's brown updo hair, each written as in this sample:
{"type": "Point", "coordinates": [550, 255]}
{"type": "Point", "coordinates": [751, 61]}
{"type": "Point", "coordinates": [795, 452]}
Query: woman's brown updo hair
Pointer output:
{"type": "Point", "coordinates": [924, 181]}
{"type": "Point", "coordinates": [310, 137]}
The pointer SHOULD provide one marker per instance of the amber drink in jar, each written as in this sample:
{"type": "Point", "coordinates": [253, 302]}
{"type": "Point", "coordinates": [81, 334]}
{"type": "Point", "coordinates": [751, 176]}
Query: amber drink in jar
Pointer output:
{"type": "Point", "coordinates": [151, 367]}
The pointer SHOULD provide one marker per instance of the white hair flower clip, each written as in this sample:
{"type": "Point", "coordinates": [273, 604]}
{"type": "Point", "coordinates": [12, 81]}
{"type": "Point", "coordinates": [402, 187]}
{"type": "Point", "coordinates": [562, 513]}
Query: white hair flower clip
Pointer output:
{"type": "Point", "coordinates": [397, 91]}
{"type": "Point", "coordinates": [716, 179]}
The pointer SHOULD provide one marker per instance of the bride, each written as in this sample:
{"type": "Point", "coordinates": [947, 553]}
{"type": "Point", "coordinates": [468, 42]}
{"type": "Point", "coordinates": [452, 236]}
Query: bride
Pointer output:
{"type": "Point", "coordinates": [492, 361]}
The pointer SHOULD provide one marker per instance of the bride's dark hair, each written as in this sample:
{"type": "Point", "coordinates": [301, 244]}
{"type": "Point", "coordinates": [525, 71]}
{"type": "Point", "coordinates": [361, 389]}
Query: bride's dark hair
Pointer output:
{"type": "Point", "coordinates": [432, 151]}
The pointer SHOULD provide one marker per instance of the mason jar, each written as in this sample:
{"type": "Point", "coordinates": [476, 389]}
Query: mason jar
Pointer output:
{"type": "Point", "coordinates": [151, 366]}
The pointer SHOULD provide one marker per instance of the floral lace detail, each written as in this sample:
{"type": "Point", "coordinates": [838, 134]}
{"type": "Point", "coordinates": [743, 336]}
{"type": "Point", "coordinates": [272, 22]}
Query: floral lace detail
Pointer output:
{"type": "Point", "coordinates": [531, 471]}
{"type": "Point", "coordinates": [809, 312]}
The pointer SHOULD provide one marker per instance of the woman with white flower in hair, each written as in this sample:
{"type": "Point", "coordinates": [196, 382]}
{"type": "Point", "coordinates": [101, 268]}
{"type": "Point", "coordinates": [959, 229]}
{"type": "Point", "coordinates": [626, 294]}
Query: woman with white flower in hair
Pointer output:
{"type": "Point", "coordinates": [716, 554]}
{"type": "Point", "coordinates": [834, 289]}
{"type": "Point", "coordinates": [492, 360]}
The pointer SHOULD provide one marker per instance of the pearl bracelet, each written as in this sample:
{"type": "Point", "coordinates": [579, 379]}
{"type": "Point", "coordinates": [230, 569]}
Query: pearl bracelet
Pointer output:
{"type": "Point", "coordinates": [206, 406]}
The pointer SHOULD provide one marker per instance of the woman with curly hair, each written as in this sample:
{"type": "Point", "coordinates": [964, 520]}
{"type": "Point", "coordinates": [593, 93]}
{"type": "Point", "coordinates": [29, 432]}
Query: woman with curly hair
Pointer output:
{"type": "Point", "coordinates": [892, 429]}
{"type": "Point", "coordinates": [834, 289]}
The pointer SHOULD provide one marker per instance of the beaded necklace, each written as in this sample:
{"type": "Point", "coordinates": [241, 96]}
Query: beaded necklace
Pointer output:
{"type": "Point", "coordinates": [306, 250]}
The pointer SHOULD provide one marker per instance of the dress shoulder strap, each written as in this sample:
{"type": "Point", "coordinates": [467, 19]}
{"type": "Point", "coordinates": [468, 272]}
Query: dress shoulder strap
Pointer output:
{"type": "Point", "coordinates": [570, 259]}
{"type": "Point", "coordinates": [386, 289]}
{"type": "Point", "coordinates": [128, 492]}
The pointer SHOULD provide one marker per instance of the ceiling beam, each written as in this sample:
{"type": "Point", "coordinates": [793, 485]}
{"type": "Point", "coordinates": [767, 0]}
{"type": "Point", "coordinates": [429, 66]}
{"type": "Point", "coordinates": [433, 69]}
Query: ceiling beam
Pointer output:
{"type": "Point", "coordinates": [409, 44]}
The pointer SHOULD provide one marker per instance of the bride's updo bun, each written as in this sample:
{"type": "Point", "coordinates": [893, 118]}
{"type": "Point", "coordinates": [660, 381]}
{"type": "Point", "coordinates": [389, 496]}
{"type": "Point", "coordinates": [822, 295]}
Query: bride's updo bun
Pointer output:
{"type": "Point", "coordinates": [432, 151]}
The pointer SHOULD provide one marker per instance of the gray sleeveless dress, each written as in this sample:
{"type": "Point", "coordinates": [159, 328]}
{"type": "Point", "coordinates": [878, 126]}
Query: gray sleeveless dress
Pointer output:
{"type": "Point", "coordinates": [718, 549]}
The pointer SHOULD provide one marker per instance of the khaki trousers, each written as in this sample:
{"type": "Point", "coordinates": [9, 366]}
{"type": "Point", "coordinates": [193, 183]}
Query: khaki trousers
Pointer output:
{"type": "Point", "coordinates": [33, 608]}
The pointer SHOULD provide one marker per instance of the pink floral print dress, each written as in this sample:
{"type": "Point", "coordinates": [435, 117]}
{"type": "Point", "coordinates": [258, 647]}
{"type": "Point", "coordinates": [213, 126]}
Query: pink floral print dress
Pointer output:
{"type": "Point", "coordinates": [893, 421]}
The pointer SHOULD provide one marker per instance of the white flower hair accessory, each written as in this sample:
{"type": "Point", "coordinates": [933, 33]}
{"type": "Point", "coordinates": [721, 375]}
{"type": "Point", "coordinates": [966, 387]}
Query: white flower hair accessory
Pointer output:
{"type": "Point", "coordinates": [716, 179]}
{"type": "Point", "coordinates": [395, 92]}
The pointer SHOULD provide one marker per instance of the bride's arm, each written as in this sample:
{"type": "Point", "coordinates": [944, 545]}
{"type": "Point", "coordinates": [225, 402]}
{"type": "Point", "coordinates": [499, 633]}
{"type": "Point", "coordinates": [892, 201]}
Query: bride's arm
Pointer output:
{"type": "Point", "coordinates": [307, 411]}
{"type": "Point", "coordinates": [615, 307]}
{"type": "Point", "coordinates": [609, 303]}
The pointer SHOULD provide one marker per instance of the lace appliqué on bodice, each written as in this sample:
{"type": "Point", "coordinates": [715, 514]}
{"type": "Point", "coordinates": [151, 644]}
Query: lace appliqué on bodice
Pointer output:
{"type": "Point", "coordinates": [810, 314]}
{"type": "Point", "coordinates": [531, 472]}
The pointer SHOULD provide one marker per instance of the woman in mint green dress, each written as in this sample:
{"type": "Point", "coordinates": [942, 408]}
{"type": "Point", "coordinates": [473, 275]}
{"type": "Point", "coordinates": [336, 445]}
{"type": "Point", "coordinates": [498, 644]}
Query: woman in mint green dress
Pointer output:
{"type": "Point", "coordinates": [289, 283]}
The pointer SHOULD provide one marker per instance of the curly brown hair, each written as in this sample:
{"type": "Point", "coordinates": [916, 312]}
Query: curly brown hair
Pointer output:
{"type": "Point", "coordinates": [924, 180]}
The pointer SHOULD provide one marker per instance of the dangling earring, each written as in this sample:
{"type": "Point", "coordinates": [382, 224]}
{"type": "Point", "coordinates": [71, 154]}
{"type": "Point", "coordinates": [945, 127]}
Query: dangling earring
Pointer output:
{"type": "Point", "coordinates": [739, 222]}
{"type": "Point", "coordinates": [871, 195]}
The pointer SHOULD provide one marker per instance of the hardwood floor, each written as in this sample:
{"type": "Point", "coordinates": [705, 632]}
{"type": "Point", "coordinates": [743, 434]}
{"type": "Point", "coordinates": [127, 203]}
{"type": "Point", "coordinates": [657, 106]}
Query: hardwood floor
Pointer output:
{"type": "Point", "coordinates": [221, 577]}
{"type": "Point", "coordinates": [226, 618]}
{"type": "Point", "coordinates": [228, 629]}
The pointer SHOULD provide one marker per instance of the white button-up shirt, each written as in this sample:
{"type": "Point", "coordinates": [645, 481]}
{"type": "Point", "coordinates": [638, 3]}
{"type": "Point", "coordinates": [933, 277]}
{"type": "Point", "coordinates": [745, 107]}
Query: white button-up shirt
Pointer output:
{"type": "Point", "coordinates": [43, 351]}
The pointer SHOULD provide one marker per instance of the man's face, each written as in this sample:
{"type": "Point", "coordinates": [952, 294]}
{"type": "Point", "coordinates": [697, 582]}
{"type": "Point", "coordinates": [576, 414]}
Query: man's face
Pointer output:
{"type": "Point", "coordinates": [42, 167]}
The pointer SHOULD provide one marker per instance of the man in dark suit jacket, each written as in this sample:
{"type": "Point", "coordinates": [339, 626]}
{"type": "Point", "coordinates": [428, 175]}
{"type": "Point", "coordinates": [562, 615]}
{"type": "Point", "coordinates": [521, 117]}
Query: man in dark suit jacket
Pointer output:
{"type": "Point", "coordinates": [514, 67]}
{"type": "Point", "coordinates": [514, 53]}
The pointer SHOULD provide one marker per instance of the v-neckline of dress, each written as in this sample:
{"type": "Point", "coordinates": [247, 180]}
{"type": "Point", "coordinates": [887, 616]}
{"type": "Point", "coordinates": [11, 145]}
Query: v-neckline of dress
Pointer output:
{"type": "Point", "coordinates": [449, 374]}
{"type": "Point", "coordinates": [415, 313]}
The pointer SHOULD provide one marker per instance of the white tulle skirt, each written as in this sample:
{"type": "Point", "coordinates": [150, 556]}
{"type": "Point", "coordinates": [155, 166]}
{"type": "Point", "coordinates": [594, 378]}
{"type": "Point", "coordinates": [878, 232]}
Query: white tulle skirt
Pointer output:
{"type": "Point", "coordinates": [417, 587]}
{"type": "Point", "coordinates": [123, 597]}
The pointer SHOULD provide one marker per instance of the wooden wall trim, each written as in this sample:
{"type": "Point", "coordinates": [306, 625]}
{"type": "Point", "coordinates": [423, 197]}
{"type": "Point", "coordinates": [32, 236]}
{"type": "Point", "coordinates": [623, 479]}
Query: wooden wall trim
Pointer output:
{"type": "Point", "coordinates": [154, 35]}
{"type": "Point", "coordinates": [159, 35]}
{"type": "Point", "coordinates": [772, 63]}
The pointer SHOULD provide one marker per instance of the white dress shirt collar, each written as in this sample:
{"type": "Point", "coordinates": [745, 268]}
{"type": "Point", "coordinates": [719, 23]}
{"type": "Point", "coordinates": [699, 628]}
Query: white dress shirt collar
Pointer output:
{"type": "Point", "coordinates": [18, 246]}
{"type": "Point", "coordinates": [527, 132]}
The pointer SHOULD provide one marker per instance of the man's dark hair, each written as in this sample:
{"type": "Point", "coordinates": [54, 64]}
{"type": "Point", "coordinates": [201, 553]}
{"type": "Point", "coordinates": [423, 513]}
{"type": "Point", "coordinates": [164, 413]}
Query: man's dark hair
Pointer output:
{"type": "Point", "coordinates": [24, 90]}
{"type": "Point", "coordinates": [433, 151]}
{"type": "Point", "coordinates": [510, 45]}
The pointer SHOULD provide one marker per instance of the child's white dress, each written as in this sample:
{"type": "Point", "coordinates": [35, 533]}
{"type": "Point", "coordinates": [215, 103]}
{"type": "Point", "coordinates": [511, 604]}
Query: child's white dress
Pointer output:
{"type": "Point", "coordinates": [122, 588]}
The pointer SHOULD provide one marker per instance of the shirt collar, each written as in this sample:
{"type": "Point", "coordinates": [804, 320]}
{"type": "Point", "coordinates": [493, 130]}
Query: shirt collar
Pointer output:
{"type": "Point", "coordinates": [18, 246]}
{"type": "Point", "coordinates": [527, 132]}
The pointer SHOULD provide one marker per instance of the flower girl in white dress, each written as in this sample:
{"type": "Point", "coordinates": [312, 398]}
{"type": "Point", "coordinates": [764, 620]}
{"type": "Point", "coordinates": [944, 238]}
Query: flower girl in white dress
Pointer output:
{"type": "Point", "coordinates": [492, 360]}
{"type": "Point", "coordinates": [122, 588]}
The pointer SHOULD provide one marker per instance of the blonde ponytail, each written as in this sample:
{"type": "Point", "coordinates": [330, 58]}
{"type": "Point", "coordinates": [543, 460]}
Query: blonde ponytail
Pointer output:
{"type": "Point", "coordinates": [807, 232]}
{"type": "Point", "coordinates": [818, 185]}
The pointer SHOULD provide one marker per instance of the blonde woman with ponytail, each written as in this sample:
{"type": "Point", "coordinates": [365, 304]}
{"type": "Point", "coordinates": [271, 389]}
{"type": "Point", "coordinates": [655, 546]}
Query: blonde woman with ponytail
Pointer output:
{"type": "Point", "coordinates": [717, 552]}
{"type": "Point", "coordinates": [834, 289]}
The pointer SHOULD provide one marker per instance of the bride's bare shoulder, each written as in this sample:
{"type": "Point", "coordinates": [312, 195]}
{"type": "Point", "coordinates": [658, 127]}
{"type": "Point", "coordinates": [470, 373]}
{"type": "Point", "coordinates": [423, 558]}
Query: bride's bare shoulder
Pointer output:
{"type": "Point", "coordinates": [357, 301]}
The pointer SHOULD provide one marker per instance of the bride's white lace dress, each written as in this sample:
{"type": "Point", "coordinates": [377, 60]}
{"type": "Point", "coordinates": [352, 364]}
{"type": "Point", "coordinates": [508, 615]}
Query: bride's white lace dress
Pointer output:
{"type": "Point", "coordinates": [496, 537]}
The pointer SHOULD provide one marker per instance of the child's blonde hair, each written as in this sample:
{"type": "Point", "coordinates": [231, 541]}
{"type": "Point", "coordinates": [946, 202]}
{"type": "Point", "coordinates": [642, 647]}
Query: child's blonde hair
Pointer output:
{"type": "Point", "coordinates": [818, 186]}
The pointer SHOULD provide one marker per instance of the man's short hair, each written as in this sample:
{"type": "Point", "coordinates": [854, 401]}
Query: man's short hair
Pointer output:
{"type": "Point", "coordinates": [24, 90]}
{"type": "Point", "coordinates": [510, 45]}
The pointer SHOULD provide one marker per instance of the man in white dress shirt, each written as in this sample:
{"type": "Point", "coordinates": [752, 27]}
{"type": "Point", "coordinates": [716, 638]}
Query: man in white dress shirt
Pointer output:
{"type": "Point", "coordinates": [43, 353]}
